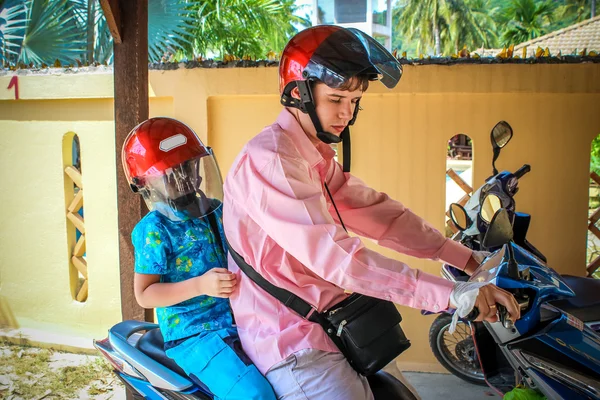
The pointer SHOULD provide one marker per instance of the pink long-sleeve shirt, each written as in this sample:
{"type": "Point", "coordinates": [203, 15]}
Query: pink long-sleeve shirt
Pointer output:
{"type": "Point", "coordinates": [278, 216]}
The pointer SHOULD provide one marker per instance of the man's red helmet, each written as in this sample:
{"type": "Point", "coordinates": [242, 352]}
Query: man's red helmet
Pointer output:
{"type": "Point", "coordinates": [332, 55]}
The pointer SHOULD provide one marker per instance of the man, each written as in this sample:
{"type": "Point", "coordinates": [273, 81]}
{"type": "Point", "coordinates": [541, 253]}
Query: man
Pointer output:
{"type": "Point", "coordinates": [279, 216]}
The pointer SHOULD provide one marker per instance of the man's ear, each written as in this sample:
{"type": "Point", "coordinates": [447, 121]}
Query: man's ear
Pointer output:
{"type": "Point", "coordinates": [295, 93]}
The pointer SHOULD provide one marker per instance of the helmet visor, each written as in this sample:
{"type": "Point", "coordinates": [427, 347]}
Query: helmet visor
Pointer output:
{"type": "Point", "coordinates": [350, 52]}
{"type": "Point", "coordinates": [192, 189]}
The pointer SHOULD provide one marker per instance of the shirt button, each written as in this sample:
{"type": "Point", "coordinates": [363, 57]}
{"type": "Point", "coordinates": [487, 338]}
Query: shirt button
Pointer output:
{"type": "Point", "coordinates": [436, 307]}
{"type": "Point", "coordinates": [388, 297]}
{"type": "Point", "coordinates": [424, 303]}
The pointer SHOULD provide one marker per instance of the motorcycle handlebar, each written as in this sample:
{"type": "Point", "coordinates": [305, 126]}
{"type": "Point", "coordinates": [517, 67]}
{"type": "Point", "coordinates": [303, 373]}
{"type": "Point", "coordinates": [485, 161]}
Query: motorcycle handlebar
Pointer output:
{"type": "Point", "coordinates": [472, 316]}
{"type": "Point", "coordinates": [522, 171]}
{"type": "Point", "coordinates": [503, 316]}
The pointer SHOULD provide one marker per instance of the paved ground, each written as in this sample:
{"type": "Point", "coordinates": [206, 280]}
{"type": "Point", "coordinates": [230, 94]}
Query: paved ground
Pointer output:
{"type": "Point", "coordinates": [429, 386]}
{"type": "Point", "coordinates": [447, 387]}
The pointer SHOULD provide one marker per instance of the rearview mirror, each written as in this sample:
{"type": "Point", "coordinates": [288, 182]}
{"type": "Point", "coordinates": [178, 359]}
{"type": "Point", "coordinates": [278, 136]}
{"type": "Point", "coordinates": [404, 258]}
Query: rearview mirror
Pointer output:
{"type": "Point", "coordinates": [459, 216]}
{"type": "Point", "coordinates": [490, 206]}
{"type": "Point", "coordinates": [500, 136]}
{"type": "Point", "coordinates": [500, 230]}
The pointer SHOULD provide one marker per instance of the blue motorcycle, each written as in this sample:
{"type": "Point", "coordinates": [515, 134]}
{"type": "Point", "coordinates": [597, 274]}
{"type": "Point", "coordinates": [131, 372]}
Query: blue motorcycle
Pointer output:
{"type": "Point", "coordinates": [135, 350]}
{"type": "Point", "coordinates": [549, 349]}
{"type": "Point", "coordinates": [457, 352]}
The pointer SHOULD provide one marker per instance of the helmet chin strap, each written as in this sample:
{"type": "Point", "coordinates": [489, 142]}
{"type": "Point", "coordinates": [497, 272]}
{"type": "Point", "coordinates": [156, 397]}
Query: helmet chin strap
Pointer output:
{"type": "Point", "coordinates": [307, 105]}
{"type": "Point", "coordinates": [328, 138]}
{"type": "Point", "coordinates": [195, 204]}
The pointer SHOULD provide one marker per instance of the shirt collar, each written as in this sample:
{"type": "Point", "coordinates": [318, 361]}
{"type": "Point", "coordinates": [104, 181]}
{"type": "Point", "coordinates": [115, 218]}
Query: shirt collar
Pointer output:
{"type": "Point", "coordinates": [314, 155]}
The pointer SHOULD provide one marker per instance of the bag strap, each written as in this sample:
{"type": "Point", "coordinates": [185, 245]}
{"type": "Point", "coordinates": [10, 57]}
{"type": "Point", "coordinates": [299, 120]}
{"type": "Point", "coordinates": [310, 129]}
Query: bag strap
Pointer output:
{"type": "Point", "coordinates": [334, 206]}
{"type": "Point", "coordinates": [292, 301]}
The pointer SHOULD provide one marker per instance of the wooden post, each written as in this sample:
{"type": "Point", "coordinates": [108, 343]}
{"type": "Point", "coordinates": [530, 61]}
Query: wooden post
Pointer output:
{"type": "Point", "coordinates": [131, 108]}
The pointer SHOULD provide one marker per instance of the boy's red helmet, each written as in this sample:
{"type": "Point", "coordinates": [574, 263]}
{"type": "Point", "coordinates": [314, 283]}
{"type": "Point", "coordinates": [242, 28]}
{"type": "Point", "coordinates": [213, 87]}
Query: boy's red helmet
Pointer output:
{"type": "Point", "coordinates": [172, 169]}
{"type": "Point", "coordinates": [158, 144]}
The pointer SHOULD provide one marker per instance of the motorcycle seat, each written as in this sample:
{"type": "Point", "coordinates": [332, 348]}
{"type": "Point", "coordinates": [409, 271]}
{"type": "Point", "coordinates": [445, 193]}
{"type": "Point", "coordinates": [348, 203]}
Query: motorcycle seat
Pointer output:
{"type": "Point", "coordinates": [151, 344]}
{"type": "Point", "coordinates": [586, 303]}
{"type": "Point", "coordinates": [383, 384]}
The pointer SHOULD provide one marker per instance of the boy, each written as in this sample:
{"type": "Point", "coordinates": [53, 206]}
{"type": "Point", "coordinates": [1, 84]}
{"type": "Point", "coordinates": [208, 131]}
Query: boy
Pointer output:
{"type": "Point", "coordinates": [180, 261]}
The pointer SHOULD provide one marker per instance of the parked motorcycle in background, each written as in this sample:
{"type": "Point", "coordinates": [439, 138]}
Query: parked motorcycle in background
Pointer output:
{"type": "Point", "coordinates": [554, 348]}
{"type": "Point", "coordinates": [456, 351]}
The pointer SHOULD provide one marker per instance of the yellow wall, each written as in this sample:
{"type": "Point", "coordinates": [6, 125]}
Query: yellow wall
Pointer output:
{"type": "Point", "coordinates": [399, 146]}
{"type": "Point", "coordinates": [35, 284]}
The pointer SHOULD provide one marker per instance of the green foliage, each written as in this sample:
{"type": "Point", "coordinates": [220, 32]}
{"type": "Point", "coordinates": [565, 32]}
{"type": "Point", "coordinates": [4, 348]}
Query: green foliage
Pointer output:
{"type": "Point", "coordinates": [472, 22]}
{"type": "Point", "coordinates": [42, 31]}
{"type": "Point", "coordinates": [526, 19]}
{"type": "Point", "coordinates": [12, 29]}
{"type": "Point", "coordinates": [170, 23]}
{"type": "Point", "coordinates": [445, 26]}
{"type": "Point", "coordinates": [75, 31]}
{"type": "Point", "coordinates": [39, 31]}
{"type": "Point", "coordinates": [242, 27]}
{"type": "Point", "coordinates": [573, 11]}
{"type": "Point", "coordinates": [595, 155]}
{"type": "Point", "coordinates": [424, 21]}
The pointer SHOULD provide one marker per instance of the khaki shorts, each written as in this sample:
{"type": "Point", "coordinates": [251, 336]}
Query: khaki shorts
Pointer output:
{"type": "Point", "coordinates": [314, 375]}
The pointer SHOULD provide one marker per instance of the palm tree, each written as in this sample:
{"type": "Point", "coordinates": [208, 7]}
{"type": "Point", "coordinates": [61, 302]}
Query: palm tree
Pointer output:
{"type": "Point", "coordinates": [243, 27]}
{"type": "Point", "coordinates": [39, 31]}
{"type": "Point", "coordinates": [92, 26]}
{"type": "Point", "coordinates": [425, 19]}
{"type": "Point", "coordinates": [42, 31]}
{"type": "Point", "coordinates": [527, 19]}
{"type": "Point", "coordinates": [472, 25]}
{"type": "Point", "coordinates": [573, 11]}
{"type": "Point", "coordinates": [75, 31]}
{"type": "Point", "coordinates": [447, 24]}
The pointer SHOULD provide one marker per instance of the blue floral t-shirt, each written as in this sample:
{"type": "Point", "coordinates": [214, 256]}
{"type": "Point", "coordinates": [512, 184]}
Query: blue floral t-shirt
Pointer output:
{"type": "Point", "coordinates": [179, 250]}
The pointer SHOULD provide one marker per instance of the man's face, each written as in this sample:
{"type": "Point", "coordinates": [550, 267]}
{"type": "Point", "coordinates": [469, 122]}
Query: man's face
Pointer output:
{"type": "Point", "coordinates": [335, 109]}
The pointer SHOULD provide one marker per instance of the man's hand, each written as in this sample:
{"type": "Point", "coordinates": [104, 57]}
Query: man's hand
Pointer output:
{"type": "Point", "coordinates": [487, 300]}
{"type": "Point", "coordinates": [218, 282]}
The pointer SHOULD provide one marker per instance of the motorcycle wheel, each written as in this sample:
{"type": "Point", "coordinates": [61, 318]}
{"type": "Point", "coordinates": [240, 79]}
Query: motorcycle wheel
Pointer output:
{"type": "Point", "coordinates": [456, 352]}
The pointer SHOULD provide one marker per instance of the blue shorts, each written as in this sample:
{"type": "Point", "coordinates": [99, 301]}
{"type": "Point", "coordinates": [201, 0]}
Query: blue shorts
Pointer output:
{"type": "Point", "coordinates": [216, 360]}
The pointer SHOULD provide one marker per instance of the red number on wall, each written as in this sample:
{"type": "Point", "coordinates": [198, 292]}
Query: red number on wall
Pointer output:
{"type": "Point", "coordinates": [14, 82]}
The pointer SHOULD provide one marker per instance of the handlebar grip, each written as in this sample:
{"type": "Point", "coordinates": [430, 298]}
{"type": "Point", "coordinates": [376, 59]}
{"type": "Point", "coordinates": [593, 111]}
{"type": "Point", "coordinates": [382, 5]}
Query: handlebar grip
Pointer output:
{"type": "Point", "coordinates": [472, 316]}
{"type": "Point", "coordinates": [523, 170]}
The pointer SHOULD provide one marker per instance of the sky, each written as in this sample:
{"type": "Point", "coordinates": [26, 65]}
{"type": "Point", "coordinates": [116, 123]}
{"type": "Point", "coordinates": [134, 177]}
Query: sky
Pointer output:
{"type": "Point", "coordinates": [304, 7]}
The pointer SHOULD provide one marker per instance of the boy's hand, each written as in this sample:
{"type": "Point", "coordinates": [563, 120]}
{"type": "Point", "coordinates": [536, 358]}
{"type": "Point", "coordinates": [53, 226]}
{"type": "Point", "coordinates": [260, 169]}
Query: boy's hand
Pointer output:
{"type": "Point", "coordinates": [218, 282]}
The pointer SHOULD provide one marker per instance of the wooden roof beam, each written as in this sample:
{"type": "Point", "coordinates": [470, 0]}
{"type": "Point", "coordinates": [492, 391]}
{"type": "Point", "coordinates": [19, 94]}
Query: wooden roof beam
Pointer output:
{"type": "Point", "coordinates": [112, 13]}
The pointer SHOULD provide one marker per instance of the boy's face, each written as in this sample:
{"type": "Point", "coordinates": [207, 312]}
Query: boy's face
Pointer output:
{"type": "Point", "coordinates": [335, 109]}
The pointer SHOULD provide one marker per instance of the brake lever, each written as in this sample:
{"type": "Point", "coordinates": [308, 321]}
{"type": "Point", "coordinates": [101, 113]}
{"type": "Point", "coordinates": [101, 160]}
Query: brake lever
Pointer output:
{"type": "Point", "coordinates": [504, 317]}
{"type": "Point", "coordinates": [503, 314]}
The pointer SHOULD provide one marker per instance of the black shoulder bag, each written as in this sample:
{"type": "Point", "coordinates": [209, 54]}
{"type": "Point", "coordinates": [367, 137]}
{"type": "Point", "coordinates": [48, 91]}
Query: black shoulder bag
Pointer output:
{"type": "Point", "coordinates": [365, 329]}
